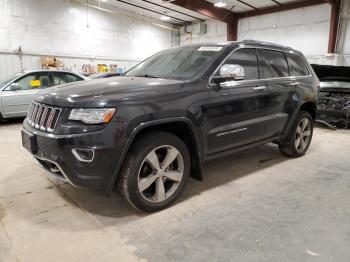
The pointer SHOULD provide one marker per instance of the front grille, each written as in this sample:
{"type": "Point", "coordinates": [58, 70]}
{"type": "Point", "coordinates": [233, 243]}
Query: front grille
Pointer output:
{"type": "Point", "coordinates": [43, 117]}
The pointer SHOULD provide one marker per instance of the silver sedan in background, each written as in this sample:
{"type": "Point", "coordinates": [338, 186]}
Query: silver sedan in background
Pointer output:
{"type": "Point", "coordinates": [18, 90]}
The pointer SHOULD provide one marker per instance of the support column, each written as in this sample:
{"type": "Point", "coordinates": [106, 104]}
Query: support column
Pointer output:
{"type": "Point", "coordinates": [232, 30]}
{"type": "Point", "coordinates": [334, 24]}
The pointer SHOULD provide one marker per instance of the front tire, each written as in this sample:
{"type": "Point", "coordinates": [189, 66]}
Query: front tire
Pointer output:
{"type": "Point", "coordinates": [154, 172]}
{"type": "Point", "coordinates": [299, 137]}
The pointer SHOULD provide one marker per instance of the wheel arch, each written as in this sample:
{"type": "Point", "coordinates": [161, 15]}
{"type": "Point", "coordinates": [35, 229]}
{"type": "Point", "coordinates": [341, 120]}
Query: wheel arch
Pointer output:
{"type": "Point", "coordinates": [309, 107]}
{"type": "Point", "coordinates": [181, 127]}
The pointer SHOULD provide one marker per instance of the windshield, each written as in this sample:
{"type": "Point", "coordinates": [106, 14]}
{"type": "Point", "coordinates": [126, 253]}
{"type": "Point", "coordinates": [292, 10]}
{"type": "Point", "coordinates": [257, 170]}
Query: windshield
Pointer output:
{"type": "Point", "coordinates": [8, 79]}
{"type": "Point", "coordinates": [182, 62]}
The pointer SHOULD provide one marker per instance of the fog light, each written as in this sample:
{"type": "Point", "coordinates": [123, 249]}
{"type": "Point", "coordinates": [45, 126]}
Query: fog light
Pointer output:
{"type": "Point", "coordinates": [84, 155]}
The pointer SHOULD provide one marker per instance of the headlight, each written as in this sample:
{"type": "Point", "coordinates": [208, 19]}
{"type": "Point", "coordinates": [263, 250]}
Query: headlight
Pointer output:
{"type": "Point", "coordinates": [92, 115]}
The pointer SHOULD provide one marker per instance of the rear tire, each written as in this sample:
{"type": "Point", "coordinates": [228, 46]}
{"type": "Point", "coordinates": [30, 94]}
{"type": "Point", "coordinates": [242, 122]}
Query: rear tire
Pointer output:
{"type": "Point", "coordinates": [299, 137]}
{"type": "Point", "coordinates": [154, 172]}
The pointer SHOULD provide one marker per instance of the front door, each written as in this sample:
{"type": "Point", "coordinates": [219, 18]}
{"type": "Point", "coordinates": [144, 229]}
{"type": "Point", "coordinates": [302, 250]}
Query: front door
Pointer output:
{"type": "Point", "coordinates": [237, 113]}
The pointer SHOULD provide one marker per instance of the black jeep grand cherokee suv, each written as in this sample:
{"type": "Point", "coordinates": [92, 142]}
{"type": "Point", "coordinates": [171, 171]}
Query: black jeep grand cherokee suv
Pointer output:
{"type": "Point", "coordinates": [150, 129]}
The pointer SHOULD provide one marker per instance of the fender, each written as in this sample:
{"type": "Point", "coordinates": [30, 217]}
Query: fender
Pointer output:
{"type": "Point", "coordinates": [293, 118]}
{"type": "Point", "coordinates": [196, 170]}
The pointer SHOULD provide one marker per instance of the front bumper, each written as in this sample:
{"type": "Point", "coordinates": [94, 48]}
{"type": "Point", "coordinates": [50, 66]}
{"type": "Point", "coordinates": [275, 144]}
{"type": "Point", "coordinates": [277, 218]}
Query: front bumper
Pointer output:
{"type": "Point", "coordinates": [56, 154]}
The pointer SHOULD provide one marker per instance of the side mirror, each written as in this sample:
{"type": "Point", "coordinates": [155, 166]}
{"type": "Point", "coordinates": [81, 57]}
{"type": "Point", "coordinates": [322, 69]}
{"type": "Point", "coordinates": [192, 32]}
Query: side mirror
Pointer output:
{"type": "Point", "coordinates": [229, 72]}
{"type": "Point", "coordinates": [14, 87]}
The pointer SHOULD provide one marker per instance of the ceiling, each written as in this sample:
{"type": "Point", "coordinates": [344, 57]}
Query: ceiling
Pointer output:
{"type": "Point", "coordinates": [240, 6]}
{"type": "Point", "coordinates": [178, 15]}
{"type": "Point", "coordinates": [156, 9]}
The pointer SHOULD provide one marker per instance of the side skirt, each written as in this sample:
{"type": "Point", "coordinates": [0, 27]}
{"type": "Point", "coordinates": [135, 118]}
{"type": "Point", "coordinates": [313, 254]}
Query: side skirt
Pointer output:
{"type": "Point", "coordinates": [241, 148]}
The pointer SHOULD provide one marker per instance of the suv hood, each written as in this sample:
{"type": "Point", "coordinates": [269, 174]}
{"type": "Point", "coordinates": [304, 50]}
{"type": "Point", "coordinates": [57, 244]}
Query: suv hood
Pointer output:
{"type": "Point", "coordinates": [107, 92]}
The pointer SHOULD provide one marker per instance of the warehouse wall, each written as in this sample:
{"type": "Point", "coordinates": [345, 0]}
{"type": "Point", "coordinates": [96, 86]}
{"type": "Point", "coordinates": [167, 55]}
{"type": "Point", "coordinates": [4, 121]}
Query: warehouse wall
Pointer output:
{"type": "Point", "coordinates": [68, 30]}
{"type": "Point", "coordinates": [299, 28]}
{"type": "Point", "coordinates": [216, 31]}
{"type": "Point", "coordinates": [343, 45]}
{"type": "Point", "coordinates": [306, 29]}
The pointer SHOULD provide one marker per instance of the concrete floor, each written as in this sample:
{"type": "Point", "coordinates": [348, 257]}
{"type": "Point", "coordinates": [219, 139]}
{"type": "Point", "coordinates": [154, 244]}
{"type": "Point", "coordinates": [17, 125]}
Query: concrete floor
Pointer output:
{"type": "Point", "coordinates": [253, 206]}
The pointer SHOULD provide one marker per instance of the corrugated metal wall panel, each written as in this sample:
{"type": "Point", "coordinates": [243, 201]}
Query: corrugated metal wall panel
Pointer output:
{"type": "Point", "coordinates": [12, 63]}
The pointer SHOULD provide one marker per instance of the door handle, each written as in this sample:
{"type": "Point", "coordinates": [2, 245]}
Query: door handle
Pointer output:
{"type": "Point", "coordinates": [294, 84]}
{"type": "Point", "coordinates": [259, 88]}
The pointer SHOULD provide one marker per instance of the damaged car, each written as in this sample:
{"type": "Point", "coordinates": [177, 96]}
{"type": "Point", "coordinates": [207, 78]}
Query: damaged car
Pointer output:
{"type": "Point", "coordinates": [334, 95]}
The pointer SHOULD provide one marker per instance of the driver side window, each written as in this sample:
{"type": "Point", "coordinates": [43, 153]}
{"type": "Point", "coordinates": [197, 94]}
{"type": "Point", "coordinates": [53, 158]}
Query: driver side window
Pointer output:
{"type": "Point", "coordinates": [24, 82]}
{"type": "Point", "coordinates": [246, 58]}
{"type": "Point", "coordinates": [33, 81]}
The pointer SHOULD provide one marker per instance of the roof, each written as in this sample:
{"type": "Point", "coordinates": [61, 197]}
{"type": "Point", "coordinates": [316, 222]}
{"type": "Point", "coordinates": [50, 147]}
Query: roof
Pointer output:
{"type": "Point", "coordinates": [26, 71]}
{"type": "Point", "coordinates": [247, 42]}
{"type": "Point", "coordinates": [47, 70]}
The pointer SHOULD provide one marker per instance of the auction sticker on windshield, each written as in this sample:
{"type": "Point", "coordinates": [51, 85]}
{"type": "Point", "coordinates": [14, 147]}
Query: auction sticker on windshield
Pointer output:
{"type": "Point", "coordinates": [210, 48]}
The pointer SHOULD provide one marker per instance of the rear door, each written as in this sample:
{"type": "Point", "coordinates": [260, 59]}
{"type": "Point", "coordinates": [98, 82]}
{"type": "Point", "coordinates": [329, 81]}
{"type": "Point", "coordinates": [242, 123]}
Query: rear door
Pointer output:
{"type": "Point", "coordinates": [17, 102]}
{"type": "Point", "coordinates": [274, 71]}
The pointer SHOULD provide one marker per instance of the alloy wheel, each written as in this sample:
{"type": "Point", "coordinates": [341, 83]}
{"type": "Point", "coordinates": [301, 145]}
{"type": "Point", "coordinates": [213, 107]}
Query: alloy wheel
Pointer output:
{"type": "Point", "coordinates": [160, 174]}
{"type": "Point", "coordinates": [303, 135]}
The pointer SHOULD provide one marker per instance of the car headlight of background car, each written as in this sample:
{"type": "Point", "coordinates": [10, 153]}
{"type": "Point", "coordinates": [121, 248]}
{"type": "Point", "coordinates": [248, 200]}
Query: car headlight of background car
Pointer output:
{"type": "Point", "coordinates": [92, 115]}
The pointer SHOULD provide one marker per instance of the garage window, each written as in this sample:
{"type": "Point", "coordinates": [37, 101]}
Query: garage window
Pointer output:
{"type": "Point", "coordinates": [272, 64]}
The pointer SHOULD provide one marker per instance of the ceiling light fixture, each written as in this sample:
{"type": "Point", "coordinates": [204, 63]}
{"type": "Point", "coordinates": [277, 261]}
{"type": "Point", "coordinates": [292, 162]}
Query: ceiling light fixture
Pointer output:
{"type": "Point", "coordinates": [165, 18]}
{"type": "Point", "coordinates": [219, 3]}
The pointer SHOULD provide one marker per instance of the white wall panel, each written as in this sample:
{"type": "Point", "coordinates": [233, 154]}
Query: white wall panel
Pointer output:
{"type": "Point", "coordinates": [299, 28]}
{"type": "Point", "coordinates": [343, 45]}
{"type": "Point", "coordinates": [216, 31]}
{"type": "Point", "coordinates": [305, 29]}
{"type": "Point", "coordinates": [12, 63]}
{"type": "Point", "coordinates": [64, 28]}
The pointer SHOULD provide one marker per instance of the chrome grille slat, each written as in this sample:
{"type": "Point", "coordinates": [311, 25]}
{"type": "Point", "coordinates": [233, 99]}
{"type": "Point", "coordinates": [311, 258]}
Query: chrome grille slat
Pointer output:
{"type": "Point", "coordinates": [38, 116]}
{"type": "Point", "coordinates": [43, 117]}
{"type": "Point", "coordinates": [36, 107]}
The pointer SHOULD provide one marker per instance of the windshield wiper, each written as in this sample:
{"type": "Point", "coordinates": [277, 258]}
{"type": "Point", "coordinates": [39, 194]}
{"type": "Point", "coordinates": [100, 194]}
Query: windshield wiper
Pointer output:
{"type": "Point", "coordinates": [148, 76]}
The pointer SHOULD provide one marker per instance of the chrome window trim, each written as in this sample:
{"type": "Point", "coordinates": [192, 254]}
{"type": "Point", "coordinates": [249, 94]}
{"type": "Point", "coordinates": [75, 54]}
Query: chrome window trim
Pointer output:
{"type": "Point", "coordinates": [241, 82]}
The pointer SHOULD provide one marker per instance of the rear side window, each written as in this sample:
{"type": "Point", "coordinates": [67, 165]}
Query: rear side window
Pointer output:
{"type": "Point", "coordinates": [272, 64]}
{"type": "Point", "coordinates": [248, 60]}
{"type": "Point", "coordinates": [60, 78]}
{"type": "Point", "coordinates": [297, 65]}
